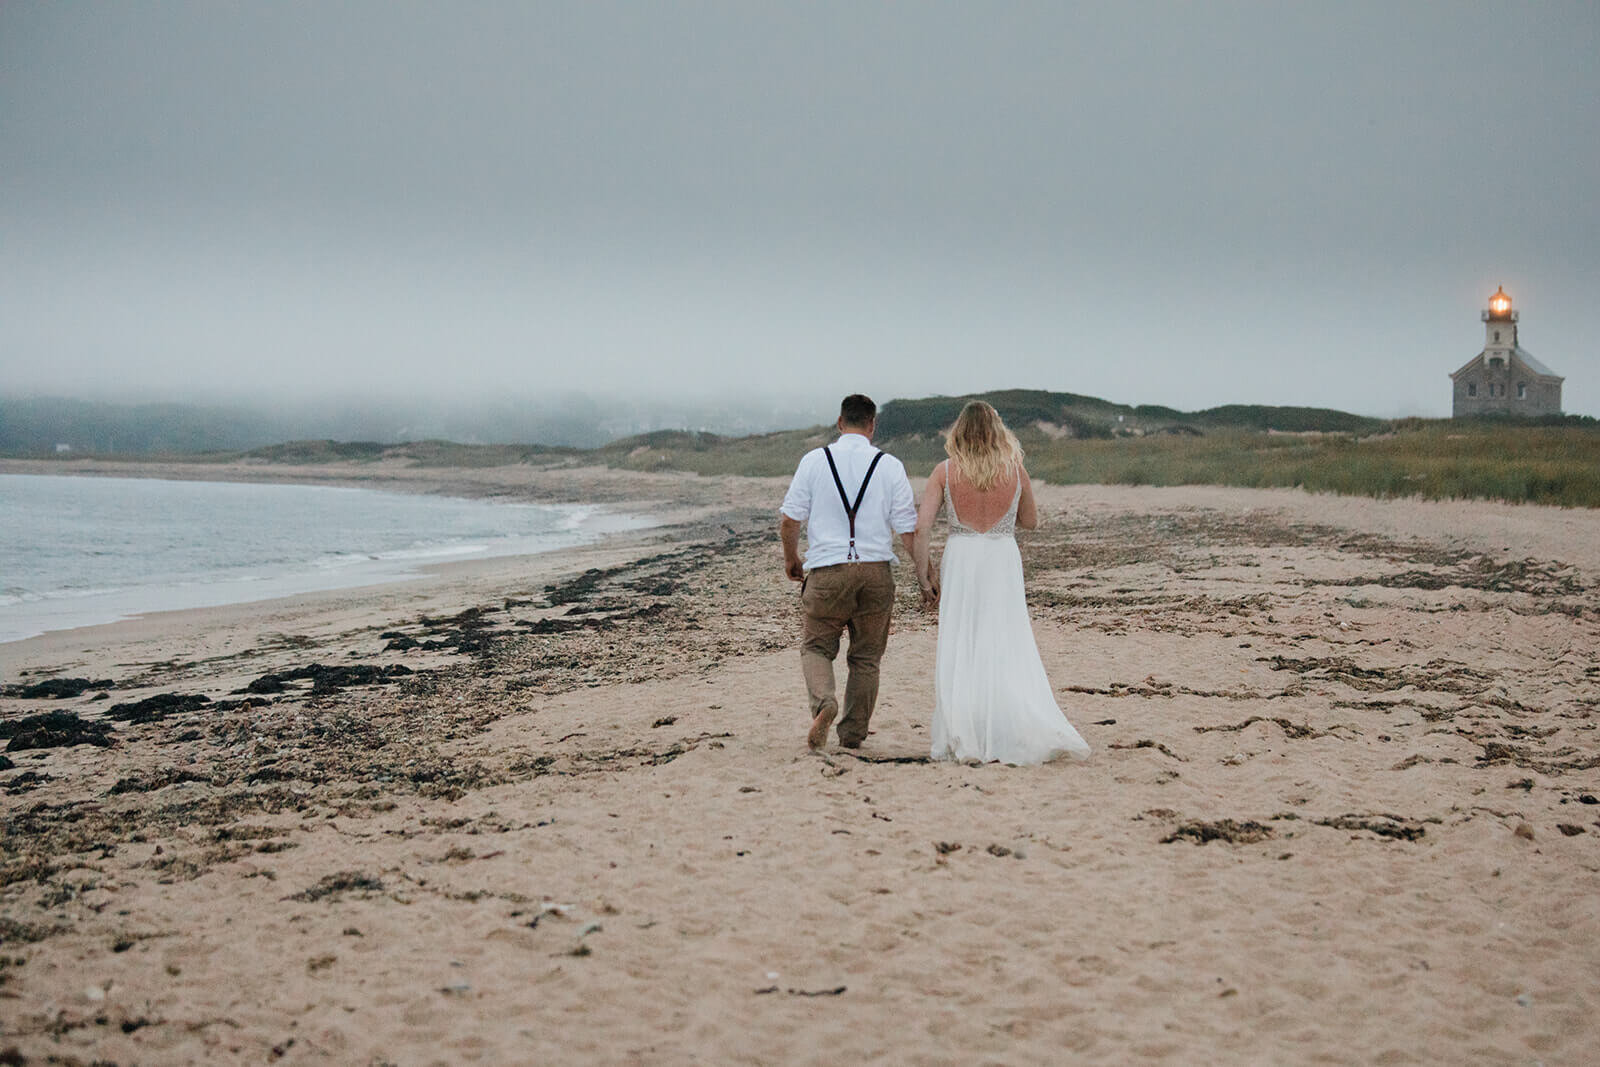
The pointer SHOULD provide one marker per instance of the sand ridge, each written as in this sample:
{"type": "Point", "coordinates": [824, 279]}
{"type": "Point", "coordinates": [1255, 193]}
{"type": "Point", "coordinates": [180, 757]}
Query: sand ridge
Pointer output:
{"type": "Point", "coordinates": [1341, 808]}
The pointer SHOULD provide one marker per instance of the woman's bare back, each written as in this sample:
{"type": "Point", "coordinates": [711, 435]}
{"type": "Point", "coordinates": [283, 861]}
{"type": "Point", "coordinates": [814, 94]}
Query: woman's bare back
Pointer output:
{"type": "Point", "coordinates": [980, 509]}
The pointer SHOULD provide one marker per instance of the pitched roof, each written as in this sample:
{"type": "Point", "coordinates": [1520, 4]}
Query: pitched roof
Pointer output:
{"type": "Point", "coordinates": [1534, 365]}
{"type": "Point", "coordinates": [1520, 355]}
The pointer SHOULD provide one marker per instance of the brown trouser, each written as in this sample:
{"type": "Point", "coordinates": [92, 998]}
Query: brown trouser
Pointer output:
{"type": "Point", "coordinates": [858, 597]}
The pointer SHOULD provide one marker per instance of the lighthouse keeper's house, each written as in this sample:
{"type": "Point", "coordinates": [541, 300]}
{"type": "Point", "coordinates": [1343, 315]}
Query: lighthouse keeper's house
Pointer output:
{"type": "Point", "coordinates": [1504, 379]}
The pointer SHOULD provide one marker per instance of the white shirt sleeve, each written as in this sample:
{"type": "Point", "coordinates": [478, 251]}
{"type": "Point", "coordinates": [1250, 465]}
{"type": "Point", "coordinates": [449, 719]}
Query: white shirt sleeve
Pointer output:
{"type": "Point", "coordinates": [903, 503]}
{"type": "Point", "coordinates": [797, 501]}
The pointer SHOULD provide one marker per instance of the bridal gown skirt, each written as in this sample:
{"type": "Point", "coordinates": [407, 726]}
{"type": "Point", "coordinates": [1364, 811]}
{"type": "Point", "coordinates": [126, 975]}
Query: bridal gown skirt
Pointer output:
{"type": "Point", "coordinates": [992, 699]}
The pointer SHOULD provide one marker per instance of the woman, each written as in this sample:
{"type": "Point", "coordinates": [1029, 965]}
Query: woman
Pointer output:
{"type": "Point", "coordinates": [992, 700]}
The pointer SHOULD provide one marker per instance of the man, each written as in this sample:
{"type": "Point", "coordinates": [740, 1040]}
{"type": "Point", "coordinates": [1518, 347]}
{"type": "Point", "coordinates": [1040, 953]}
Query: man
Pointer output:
{"type": "Point", "coordinates": [852, 499]}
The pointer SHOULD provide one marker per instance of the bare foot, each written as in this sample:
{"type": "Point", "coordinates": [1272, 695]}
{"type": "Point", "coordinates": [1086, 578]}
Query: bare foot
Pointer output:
{"type": "Point", "coordinates": [817, 736]}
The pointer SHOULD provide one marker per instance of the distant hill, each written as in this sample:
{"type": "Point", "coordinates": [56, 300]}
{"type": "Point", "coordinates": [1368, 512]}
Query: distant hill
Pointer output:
{"type": "Point", "coordinates": [418, 453]}
{"type": "Point", "coordinates": [34, 426]}
{"type": "Point", "coordinates": [46, 425]}
{"type": "Point", "coordinates": [1089, 417]}
{"type": "Point", "coordinates": [42, 425]}
{"type": "Point", "coordinates": [914, 431]}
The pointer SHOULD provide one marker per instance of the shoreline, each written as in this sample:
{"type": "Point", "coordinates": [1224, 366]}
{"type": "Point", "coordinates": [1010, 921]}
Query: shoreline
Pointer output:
{"type": "Point", "coordinates": [128, 605]}
{"type": "Point", "coordinates": [648, 516]}
{"type": "Point", "coordinates": [1336, 808]}
{"type": "Point", "coordinates": [532, 483]}
{"type": "Point", "coordinates": [435, 588]}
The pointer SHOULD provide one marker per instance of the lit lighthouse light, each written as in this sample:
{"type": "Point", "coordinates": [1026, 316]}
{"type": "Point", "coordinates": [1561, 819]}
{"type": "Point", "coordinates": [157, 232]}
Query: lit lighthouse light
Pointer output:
{"type": "Point", "coordinates": [1499, 303]}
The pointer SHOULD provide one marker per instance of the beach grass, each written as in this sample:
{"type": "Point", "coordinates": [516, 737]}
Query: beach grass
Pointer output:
{"type": "Point", "coordinates": [757, 455]}
{"type": "Point", "coordinates": [1082, 440]}
{"type": "Point", "coordinates": [1433, 459]}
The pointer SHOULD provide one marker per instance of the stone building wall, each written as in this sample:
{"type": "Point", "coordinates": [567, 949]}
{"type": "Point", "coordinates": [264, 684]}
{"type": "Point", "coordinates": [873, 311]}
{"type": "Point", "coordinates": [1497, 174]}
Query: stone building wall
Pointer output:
{"type": "Point", "coordinates": [1497, 392]}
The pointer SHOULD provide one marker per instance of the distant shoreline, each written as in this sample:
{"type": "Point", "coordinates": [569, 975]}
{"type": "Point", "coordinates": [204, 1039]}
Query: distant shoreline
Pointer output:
{"type": "Point", "coordinates": [556, 483]}
{"type": "Point", "coordinates": [630, 511]}
{"type": "Point", "coordinates": [67, 577]}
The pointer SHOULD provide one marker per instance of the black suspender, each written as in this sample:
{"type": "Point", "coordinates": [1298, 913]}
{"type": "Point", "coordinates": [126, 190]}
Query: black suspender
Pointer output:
{"type": "Point", "coordinates": [844, 498]}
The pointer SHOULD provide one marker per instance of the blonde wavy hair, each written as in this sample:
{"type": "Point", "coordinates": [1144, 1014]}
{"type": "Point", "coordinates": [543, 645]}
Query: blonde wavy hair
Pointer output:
{"type": "Point", "coordinates": [982, 446]}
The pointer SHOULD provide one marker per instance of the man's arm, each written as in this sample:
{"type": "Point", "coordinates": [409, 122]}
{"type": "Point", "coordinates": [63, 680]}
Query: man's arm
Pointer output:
{"type": "Point", "coordinates": [1027, 510]}
{"type": "Point", "coordinates": [789, 534]}
{"type": "Point", "coordinates": [796, 502]}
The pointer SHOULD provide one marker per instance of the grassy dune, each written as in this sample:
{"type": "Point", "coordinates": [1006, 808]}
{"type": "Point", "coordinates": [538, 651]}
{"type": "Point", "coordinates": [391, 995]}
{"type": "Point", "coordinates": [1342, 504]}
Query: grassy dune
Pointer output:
{"type": "Point", "coordinates": [1556, 461]}
{"type": "Point", "coordinates": [1435, 461]}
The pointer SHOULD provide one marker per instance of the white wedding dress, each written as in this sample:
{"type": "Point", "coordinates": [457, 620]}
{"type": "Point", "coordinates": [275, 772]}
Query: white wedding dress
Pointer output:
{"type": "Point", "coordinates": [992, 699]}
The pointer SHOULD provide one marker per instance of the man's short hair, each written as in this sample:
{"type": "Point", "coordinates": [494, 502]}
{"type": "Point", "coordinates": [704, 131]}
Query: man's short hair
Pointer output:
{"type": "Point", "coordinates": [857, 410]}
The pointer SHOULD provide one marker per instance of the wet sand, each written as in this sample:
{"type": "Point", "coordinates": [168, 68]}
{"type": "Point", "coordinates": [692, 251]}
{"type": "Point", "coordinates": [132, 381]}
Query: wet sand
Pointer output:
{"type": "Point", "coordinates": [1342, 806]}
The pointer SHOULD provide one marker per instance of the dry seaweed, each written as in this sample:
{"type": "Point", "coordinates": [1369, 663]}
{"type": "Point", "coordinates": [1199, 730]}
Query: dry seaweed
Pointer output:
{"type": "Point", "coordinates": [1234, 832]}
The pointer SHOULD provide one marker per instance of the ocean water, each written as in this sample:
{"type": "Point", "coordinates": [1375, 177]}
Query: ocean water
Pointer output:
{"type": "Point", "coordinates": [79, 551]}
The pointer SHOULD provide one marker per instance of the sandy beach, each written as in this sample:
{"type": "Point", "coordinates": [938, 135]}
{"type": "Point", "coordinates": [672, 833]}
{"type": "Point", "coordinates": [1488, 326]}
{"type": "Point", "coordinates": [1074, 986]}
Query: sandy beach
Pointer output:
{"type": "Point", "coordinates": [1342, 806]}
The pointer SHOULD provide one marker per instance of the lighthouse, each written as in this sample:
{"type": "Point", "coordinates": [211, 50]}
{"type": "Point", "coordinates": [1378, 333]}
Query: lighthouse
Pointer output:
{"type": "Point", "coordinates": [1504, 379]}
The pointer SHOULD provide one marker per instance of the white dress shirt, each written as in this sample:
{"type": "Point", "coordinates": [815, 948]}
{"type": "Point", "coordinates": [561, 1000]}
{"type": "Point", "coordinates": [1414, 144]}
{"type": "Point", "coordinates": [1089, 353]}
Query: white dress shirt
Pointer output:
{"type": "Point", "coordinates": [888, 508]}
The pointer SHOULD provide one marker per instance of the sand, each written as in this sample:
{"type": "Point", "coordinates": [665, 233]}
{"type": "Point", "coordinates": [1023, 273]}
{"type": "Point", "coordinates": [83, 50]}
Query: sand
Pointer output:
{"type": "Point", "coordinates": [1342, 805]}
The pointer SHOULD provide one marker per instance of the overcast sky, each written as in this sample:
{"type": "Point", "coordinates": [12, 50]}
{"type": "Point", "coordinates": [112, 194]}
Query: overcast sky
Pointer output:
{"type": "Point", "coordinates": [1177, 203]}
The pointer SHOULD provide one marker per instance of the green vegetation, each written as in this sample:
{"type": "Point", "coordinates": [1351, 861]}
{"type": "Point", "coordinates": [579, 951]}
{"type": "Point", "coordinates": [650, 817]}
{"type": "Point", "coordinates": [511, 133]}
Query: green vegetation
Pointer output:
{"type": "Point", "coordinates": [1548, 461]}
{"type": "Point", "coordinates": [318, 452]}
{"type": "Point", "coordinates": [1082, 416]}
{"type": "Point", "coordinates": [1087, 417]}
{"type": "Point", "coordinates": [412, 453]}
{"type": "Point", "coordinates": [1285, 419]}
{"type": "Point", "coordinates": [35, 426]}
{"type": "Point", "coordinates": [1435, 460]}
{"type": "Point", "coordinates": [451, 454]}
{"type": "Point", "coordinates": [758, 455]}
